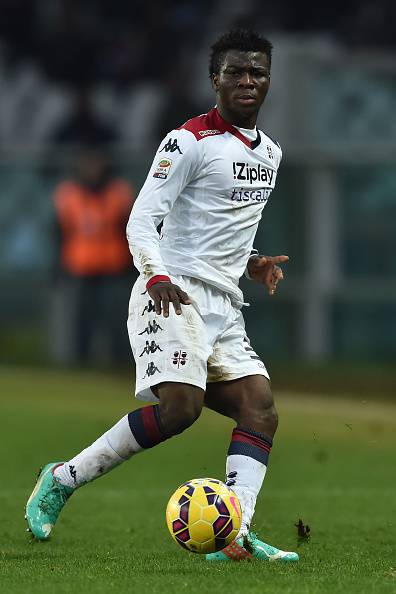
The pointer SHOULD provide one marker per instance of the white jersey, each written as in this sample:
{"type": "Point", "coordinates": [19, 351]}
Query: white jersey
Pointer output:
{"type": "Point", "coordinates": [209, 184]}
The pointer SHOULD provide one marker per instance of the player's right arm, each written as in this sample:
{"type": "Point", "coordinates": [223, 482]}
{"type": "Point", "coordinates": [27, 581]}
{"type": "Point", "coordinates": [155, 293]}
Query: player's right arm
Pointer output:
{"type": "Point", "coordinates": [175, 164]}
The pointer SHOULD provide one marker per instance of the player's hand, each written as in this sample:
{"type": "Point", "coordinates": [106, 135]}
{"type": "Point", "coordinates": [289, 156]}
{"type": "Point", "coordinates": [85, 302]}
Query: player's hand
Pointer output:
{"type": "Point", "coordinates": [265, 270]}
{"type": "Point", "coordinates": [163, 293]}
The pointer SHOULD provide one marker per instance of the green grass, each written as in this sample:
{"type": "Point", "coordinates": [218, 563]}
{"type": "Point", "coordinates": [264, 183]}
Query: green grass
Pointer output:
{"type": "Point", "coordinates": [333, 466]}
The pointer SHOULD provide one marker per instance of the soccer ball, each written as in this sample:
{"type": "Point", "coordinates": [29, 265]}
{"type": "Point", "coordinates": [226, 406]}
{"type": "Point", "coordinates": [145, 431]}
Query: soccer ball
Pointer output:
{"type": "Point", "coordinates": [203, 515]}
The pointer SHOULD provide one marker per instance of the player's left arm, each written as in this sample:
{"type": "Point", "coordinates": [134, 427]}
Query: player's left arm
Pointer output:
{"type": "Point", "coordinates": [266, 270]}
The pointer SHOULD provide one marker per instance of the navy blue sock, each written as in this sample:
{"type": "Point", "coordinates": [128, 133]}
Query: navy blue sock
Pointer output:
{"type": "Point", "coordinates": [250, 443]}
{"type": "Point", "coordinates": [145, 424]}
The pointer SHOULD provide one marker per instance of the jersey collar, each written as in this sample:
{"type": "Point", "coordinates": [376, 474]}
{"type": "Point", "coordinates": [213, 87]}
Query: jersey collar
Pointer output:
{"type": "Point", "coordinates": [221, 124]}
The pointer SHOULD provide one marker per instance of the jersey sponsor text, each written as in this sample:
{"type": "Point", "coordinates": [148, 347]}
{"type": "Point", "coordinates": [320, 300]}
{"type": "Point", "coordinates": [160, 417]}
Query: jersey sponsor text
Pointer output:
{"type": "Point", "coordinates": [248, 195]}
{"type": "Point", "coordinates": [252, 173]}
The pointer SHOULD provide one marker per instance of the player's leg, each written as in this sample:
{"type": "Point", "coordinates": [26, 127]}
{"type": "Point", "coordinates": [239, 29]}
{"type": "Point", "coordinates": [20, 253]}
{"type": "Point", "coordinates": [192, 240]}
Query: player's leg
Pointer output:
{"type": "Point", "coordinates": [248, 401]}
{"type": "Point", "coordinates": [179, 406]}
{"type": "Point", "coordinates": [170, 355]}
{"type": "Point", "coordinates": [239, 388]}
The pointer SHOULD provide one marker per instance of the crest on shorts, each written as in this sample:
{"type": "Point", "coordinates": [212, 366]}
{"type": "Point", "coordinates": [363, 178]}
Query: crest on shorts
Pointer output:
{"type": "Point", "coordinates": [163, 168]}
{"type": "Point", "coordinates": [179, 358]}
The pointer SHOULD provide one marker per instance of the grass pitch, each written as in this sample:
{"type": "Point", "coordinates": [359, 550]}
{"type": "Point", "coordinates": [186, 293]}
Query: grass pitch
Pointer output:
{"type": "Point", "coordinates": [332, 466]}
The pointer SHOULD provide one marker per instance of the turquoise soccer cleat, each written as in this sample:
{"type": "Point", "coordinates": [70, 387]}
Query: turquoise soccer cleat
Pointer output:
{"type": "Point", "coordinates": [250, 547]}
{"type": "Point", "coordinates": [46, 502]}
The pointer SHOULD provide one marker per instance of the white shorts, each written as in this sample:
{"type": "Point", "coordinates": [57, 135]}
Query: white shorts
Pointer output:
{"type": "Point", "coordinates": [206, 343]}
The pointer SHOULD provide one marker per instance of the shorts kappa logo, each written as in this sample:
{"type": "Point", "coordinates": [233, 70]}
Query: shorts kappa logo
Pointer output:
{"type": "Point", "coordinates": [151, 347]}
{"type": "Point", "coordinates": [150, 328]}
{"type": "Point", "coordinates": [151, 369]}
{"type": "Point", "coordinates": [149, 307]}
{"type": "Point", "coordinates": [163, 168]}
{"type": "Point", "coordinates": [179, 358]}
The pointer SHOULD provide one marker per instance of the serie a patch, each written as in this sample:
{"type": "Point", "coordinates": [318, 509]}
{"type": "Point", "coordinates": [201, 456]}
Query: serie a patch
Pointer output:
{"type": "Point", "coordinates": [163, 168]}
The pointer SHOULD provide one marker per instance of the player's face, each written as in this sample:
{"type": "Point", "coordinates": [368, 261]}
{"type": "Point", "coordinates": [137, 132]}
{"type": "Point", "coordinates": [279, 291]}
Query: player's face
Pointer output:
{"type": "Point", "coordinates": [242, 84]}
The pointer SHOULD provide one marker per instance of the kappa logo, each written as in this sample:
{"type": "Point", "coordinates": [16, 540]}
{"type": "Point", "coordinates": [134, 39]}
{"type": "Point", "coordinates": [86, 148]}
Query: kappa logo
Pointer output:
{"type": "Point", "coordinates": [150, 328]}
{"type": "Point", "coordinates": [253, 173]}
{"type": "Point", "coordinates": [73, 473]}
{"type": "Point", "coordinates": [208, 132]}
{"type": "Point", "coordinates": [171, 146]}
{"type": "Point", "coordinates": [149, 307]}
{"type": "Point", "coordinates": [269, 151]}
{"type": "Point", "coordinates": [151, 369]}
{"type": "Point", "coordinates": [163, 168]}
{"type": "Point", "coordinates": [151, 347]}
{"type": "Point", "coordinates": [231, 478]}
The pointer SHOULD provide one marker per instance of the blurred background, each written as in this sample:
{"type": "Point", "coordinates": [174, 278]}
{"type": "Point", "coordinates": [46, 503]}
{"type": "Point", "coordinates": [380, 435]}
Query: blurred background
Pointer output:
{"type": "Point", "coordinates": [87, 92]}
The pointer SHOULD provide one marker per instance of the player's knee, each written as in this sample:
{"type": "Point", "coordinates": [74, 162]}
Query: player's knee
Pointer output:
{"type": "Point", "coordinates": [257, 411]}
{"type": "Point", "coordinates": [178, 418]}
{"type": "Point", "coordinates": [180, 412]}
{"type": "Point", "coordinates": [270, 418]}
{"type": "Point", "coordinates": [187, 415]}
{"type": "Point", "coordinates": [261, 418]}
{"type": "Point", "coordinates": [266, 411]}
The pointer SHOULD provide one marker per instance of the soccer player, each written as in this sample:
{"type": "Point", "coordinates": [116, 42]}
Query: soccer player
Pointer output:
{"type": "Point", "coordinates": [208, 184]}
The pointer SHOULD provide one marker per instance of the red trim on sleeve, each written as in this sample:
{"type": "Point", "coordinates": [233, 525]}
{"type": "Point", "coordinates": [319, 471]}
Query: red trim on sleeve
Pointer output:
{"type": "Point", "coordinates": [157, 279]}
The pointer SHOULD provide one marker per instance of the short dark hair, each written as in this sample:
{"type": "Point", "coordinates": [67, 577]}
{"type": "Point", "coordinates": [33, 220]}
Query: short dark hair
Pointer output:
{"type": "Point", "coordinates": [243, 40]}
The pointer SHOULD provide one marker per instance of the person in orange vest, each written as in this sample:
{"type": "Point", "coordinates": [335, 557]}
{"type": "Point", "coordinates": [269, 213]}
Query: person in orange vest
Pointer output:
{"type": "Point", "coordinates": [94, 262]}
